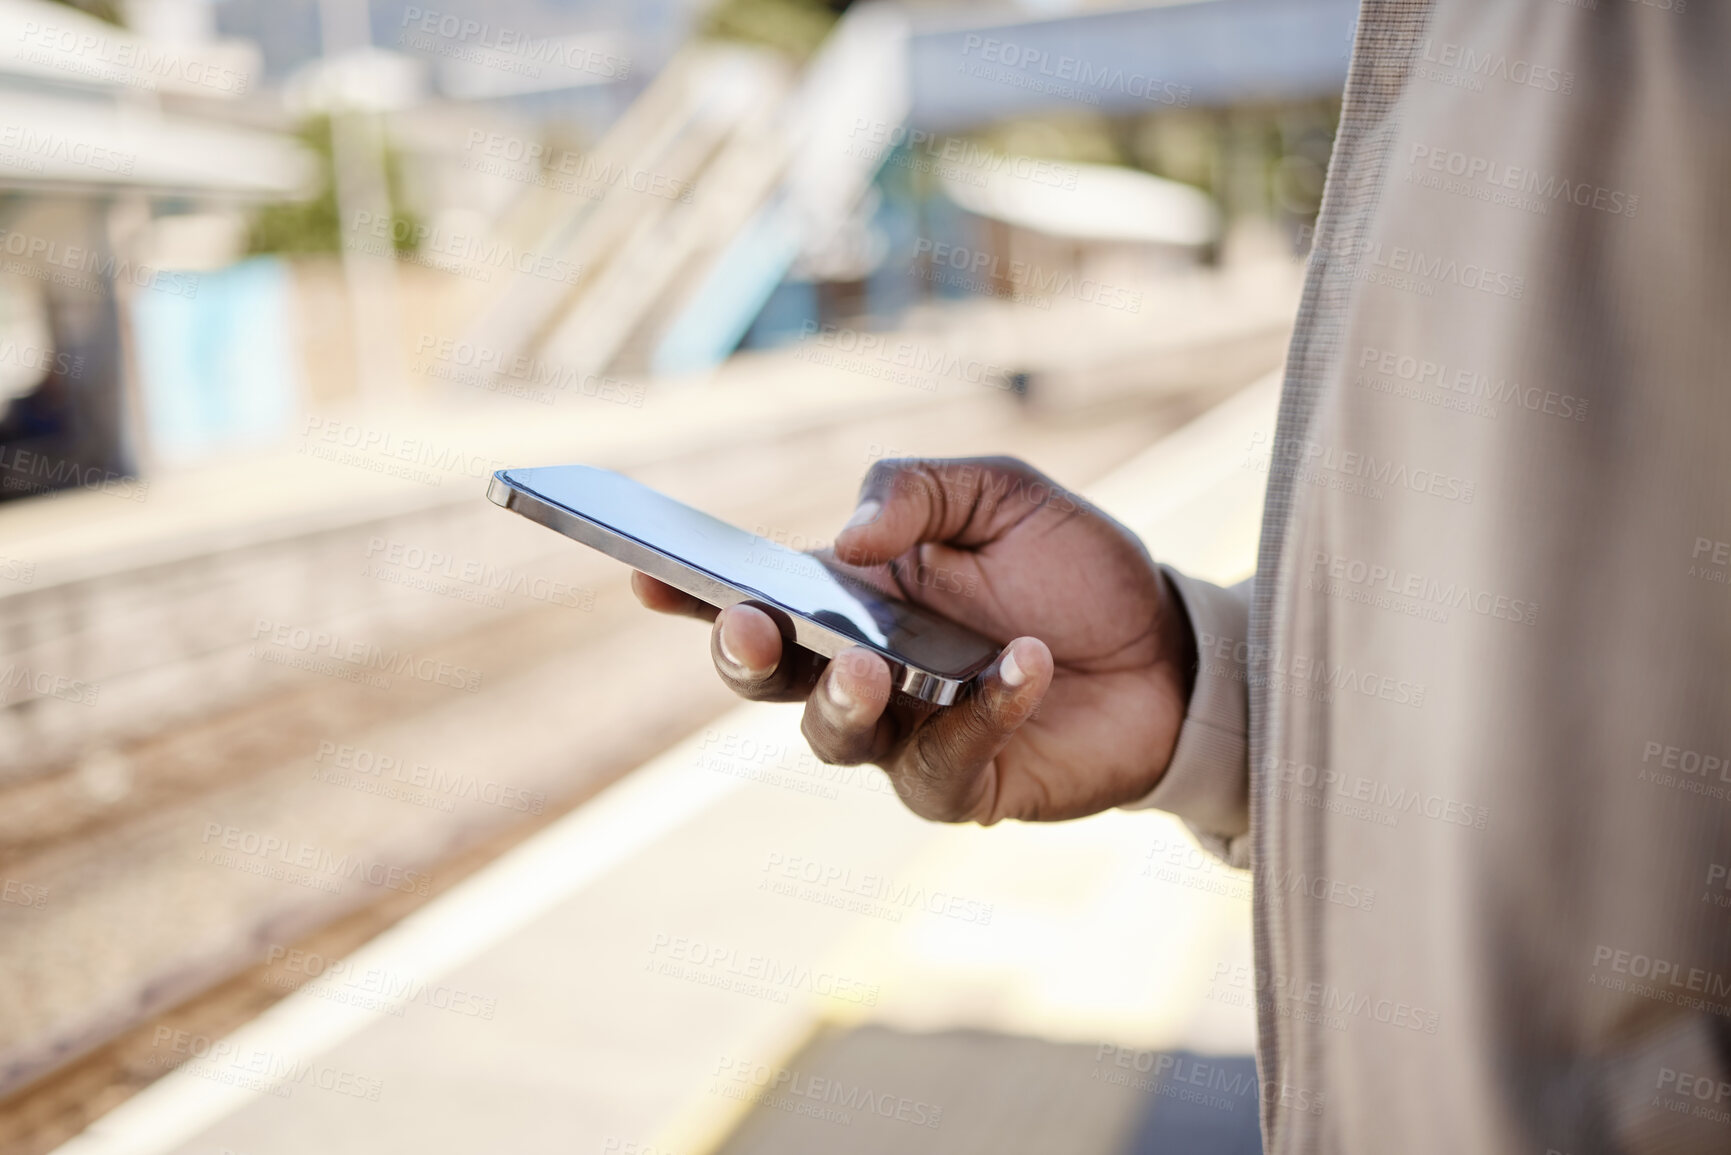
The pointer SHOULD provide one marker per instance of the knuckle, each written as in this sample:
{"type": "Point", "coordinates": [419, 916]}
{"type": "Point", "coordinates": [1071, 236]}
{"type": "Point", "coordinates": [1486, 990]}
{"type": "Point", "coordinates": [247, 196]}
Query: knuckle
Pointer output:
{"type": "Point", "coordinates": [829, 742]}
{"type": "Point", "coordinates": [933, 780]}
{"type": "Point", "coordinates": [880, 477]}
{"type": "Point", "coordinates": [885, 468]}
{"type": "Point", "coordinates": [751, 691]}
{"type": "Point", "coordinates": [948, 810]}
{"type": "Point", "coordinates": [1006, 465]}
{"type": "Point", "coordinates": [831, 738]}
{"type": "Point", "coordinates": [934, 777]}
{"type": "Point", "coordinates": [895, 477]}
{"type": "Point", "coordinates": [971, 727]}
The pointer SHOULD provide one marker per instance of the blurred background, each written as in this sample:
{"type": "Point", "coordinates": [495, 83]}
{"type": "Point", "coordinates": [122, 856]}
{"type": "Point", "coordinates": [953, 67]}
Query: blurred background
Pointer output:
{"type": "Point", "coordinates": [342, 811]}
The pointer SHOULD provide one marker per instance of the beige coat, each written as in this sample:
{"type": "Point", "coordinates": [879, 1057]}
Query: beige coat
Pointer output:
{"type": "Point", "coordinates": [1470, 726]}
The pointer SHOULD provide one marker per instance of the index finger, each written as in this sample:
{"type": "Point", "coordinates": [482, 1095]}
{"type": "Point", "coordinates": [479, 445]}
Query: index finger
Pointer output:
{"type": "Point", "coordinates": [657, 595]}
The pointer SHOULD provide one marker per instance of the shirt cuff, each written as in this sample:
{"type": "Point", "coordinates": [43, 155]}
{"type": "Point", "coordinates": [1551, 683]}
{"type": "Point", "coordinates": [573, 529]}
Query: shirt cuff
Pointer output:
{"type": "Point", "coordinates": [1207, 782]}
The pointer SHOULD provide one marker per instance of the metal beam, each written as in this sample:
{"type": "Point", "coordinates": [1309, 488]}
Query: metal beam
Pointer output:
{"type": "Point", "coordinates": [1191, 53]}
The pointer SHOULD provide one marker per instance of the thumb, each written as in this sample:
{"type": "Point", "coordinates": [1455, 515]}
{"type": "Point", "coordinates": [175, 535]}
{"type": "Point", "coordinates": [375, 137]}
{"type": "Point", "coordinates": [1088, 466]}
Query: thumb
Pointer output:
{"type": "Point", "coordinates": [947, 771]}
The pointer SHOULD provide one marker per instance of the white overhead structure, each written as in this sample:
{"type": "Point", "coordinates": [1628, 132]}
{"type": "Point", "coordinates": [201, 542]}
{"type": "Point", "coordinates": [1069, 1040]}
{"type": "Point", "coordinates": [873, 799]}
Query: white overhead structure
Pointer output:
{"type": "Point", "coordinates": [55, 143]}
{"type": "Point", "coordinates": [501, 65]}
{"type": "Point", "coordinates": [1104, 203]}
{"type": "Point", "coordinates": [853, 91]}
{"type": "Point", "coordinates": [356, 79]}
{"type": "Point", "coordinates": [79, 114]}
{"type": "Point", "coordinates": [673, 287]}
{"type": "Point", "coordinates": [54, 42]}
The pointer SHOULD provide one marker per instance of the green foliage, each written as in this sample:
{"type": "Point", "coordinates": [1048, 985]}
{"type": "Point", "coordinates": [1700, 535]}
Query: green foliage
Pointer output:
{"type": "Point", "coordinates": [1073, 136]}
{"type": "Point", "coordinates": [792, 27]}
{"type": "Point", "coordinates": [315, 225]}
{"type": "Point", "coordinates": [109, 10]}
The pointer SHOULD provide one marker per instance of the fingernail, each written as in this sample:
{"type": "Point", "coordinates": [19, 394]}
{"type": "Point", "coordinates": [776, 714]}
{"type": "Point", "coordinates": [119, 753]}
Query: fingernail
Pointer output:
{"type": "Point", "coordinates": [1010, 670]}
{"type": "Point", "coordinates": [867, 512]}
{"type": "Point", "coordinates": [733, 658]}
{"type": "Point", "coordinates": [838, 696]}
{"type": "Point", "coordinates": [721, 640]}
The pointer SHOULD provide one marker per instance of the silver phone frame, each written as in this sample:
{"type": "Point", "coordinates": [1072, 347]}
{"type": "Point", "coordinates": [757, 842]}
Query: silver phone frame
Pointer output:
{"type": "Point", "coordinates": [924, 685]}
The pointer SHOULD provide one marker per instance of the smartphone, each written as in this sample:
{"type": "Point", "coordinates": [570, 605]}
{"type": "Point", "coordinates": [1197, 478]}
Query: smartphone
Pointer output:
{"type": "Point", "coordinates": [824, 608]}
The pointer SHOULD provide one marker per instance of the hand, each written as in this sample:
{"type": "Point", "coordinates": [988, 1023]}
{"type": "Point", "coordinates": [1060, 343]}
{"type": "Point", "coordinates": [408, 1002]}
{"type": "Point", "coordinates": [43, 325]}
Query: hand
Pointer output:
{"type": "Point", "coordinates": [1081, 710]}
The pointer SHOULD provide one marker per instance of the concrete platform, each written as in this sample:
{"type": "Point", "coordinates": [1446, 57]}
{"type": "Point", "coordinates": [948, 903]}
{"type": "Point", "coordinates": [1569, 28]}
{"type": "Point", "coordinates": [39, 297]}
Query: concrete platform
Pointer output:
{"type": "Point", "coordinates": [130, 815]}
{"type": "Point", "coordinates": [621, 981]}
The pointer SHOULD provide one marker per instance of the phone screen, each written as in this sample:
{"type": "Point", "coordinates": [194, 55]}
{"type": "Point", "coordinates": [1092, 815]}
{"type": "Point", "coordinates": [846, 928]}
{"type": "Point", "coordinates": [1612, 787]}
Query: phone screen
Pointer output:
{"type": "Point", "coordinates": [761, 568]}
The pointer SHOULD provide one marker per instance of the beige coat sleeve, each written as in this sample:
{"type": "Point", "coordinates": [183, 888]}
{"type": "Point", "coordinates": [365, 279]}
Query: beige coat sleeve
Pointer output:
{"type": "Point", "coordinates": [1207, 782]}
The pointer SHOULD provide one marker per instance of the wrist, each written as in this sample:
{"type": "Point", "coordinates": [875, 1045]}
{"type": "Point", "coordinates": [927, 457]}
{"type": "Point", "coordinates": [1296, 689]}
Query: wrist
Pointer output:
{"type": "Point", "coordinates": [1177, 642]}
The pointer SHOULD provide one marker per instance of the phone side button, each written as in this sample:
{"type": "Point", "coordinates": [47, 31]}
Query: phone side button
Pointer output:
{"type": "Point", "coordinates": [929, 687]}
